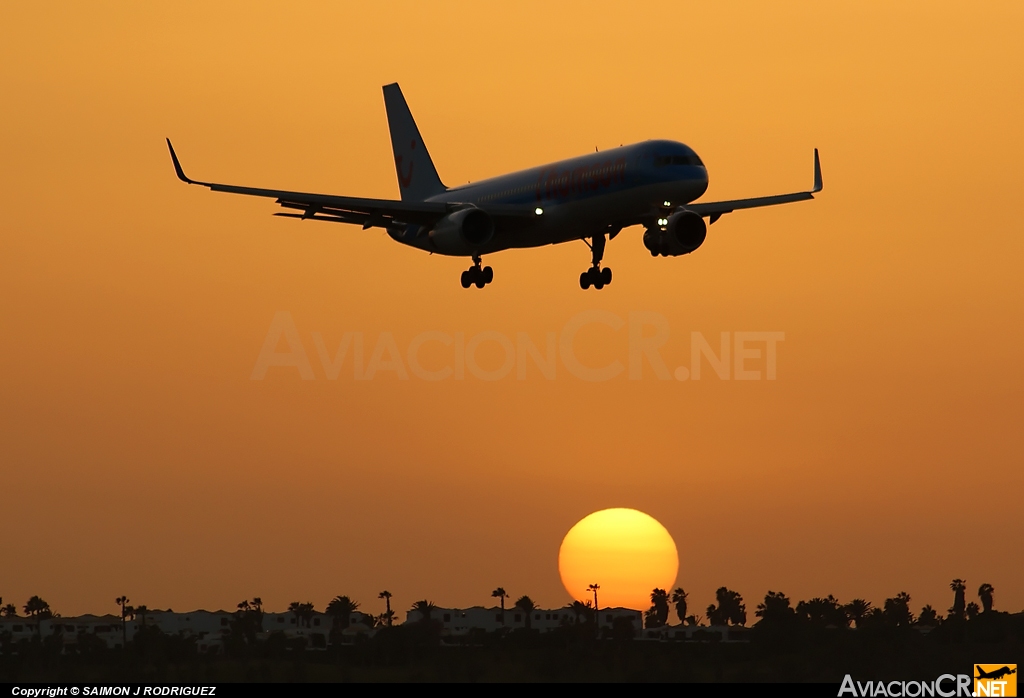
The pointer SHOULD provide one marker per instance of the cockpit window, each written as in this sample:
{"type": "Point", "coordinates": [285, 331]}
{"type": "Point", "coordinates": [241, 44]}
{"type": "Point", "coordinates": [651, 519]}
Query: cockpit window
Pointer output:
{"type": "Point", "coordinates": [665, 160]}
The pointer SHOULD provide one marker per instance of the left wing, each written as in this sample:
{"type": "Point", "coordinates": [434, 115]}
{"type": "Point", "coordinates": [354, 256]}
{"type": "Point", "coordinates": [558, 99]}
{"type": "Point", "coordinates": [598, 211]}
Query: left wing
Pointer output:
{"type": "Point", "coordinates": [342, 209]}
{"type": "Point", "coordinates": [717, 209]}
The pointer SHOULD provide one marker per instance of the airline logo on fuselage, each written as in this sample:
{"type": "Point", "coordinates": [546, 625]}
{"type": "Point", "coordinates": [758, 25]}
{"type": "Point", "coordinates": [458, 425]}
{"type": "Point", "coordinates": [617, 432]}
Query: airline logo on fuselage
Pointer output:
{"type": "Point", "coordinates": [554, 183]}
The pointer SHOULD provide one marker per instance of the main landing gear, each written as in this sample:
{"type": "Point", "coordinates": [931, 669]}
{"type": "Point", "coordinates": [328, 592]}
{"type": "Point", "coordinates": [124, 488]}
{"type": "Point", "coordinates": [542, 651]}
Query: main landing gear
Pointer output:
{"type": "Point", "coordinates": [477, 276]}
{"type": "Point", "coordinates": [596, 276]}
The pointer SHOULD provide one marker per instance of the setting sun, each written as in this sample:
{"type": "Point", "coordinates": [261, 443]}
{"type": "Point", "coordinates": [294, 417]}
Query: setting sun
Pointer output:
{"type": "Point", "coordinates": [624, 551]}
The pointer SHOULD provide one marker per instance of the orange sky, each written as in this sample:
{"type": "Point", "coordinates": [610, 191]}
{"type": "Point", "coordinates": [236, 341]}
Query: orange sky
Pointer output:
{"type": "Point", "coordinates": [138, 457]}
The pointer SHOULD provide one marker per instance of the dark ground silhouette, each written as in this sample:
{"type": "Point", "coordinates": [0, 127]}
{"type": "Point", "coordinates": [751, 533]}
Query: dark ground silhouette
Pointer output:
{"type": "Point", "coordinates": [795, 651]}
{"type": "Point", "coordinates": [818, 640]}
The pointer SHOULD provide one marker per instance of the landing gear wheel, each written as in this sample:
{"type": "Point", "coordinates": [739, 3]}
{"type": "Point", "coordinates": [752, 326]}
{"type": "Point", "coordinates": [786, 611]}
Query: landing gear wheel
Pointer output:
{"type": "Point", "coordinates": [596, 276]}
{"type": "Point", "coordinates": [477, 276]}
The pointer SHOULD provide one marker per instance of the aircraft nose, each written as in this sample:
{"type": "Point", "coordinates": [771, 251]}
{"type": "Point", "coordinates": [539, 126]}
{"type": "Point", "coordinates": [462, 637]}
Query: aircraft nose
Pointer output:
{"type": "Point", "coordinates": [702, 182]}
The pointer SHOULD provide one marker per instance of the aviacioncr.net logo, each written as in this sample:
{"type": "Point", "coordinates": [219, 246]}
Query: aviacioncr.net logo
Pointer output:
{"type": "Point", "coordinates": [995, 680]}
{"type": "Point", "coordinates": [946, 686]}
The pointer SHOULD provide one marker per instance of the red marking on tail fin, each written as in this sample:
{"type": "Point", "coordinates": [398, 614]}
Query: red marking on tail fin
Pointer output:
{"type": "Point", "coordinates": [404, 180]}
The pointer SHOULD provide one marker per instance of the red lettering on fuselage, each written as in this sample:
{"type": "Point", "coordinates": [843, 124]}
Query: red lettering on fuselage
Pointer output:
{"type": "Point", "coordinates": [553, 184]}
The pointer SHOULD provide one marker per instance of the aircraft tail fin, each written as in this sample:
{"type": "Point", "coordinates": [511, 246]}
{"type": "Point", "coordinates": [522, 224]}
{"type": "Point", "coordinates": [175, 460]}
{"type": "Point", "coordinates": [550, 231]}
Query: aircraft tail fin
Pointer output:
{"type": "Point", "coordinates": [417, 176]}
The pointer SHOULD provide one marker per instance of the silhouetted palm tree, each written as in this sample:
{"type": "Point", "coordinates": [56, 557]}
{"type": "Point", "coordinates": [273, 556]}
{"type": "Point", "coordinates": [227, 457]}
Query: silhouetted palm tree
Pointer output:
{"type": "Point", "coordinates": [734, 603]}
{"type": "Point", "coordinates": [928, 617]}
{"type": "Point", "coordinates": [827, 611]}
{"type": "Point", "coordinates": [388, 614]}
{"type": "Point", "coordinates": [38, 610]}
{"type": "Point", "coordinates": [594, 588]}
{"type": "Point", "coordinates": [341, 609]}
{"type": "Point", "coordinates": [657, 615]}
{"type": "Point", "coordinates": [857, 610]}
{"type": "Point", "coordinates": [125, 612]}
{"type": "Point", "coordinates": [972, 610]}
{"type": "Point", "coordinates": [679, 599]}
{"type": "Point", "coordinates": [985, 594]}
{"type": "Point", "coordinates": [303, 612]}
{"type": "Point", "coordinates": [425, 609]}
{"type": "Point", "coordinates": [499, 593]}
{"type": "Point", "coordinates": [835, 613]}
{"type": "Point", "coordinates": [959, 587]}
{"type": "Point", "coordinates": [730, 609]}
{"type": "Point", "coordinates": [897, 610]}
{"type": "Point", "coordinates": [255, 606]}
{"type": "Point", "coordinates": [526, 605]}
{"type": "Point", "coordinates": [874, 618]}
{"type": "Point", "coordinates": [775, 609]}
{"type": "Point", "coordinates": [248, 620]}
{"type": "Point", "coordinates": [580, 610]}
{"type": "Point", "coordinates": [10, 610]}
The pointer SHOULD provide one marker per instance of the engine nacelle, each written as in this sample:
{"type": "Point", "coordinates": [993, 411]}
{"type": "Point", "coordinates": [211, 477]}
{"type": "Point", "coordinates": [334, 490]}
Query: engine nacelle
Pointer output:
{"type": "Point", "coordinates": [462, 232]}
{"type": "Point", "coordinates": [684, 232]}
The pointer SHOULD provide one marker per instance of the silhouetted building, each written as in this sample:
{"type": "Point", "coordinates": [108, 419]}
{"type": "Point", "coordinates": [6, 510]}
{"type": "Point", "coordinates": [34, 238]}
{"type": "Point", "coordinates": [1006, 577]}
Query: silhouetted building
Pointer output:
{"type": "Point", "coordinates": [697, 633]}
{"type": "Point", "coordinates": [209, 628]}
{"type": "Point", "coordinates": [461, 621]}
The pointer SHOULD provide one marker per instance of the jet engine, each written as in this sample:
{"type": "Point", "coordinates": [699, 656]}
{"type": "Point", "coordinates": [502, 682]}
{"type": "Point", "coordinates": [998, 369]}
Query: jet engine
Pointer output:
{"type": "Point", "coordinates": [682, 233]}
{"type": "Point", "coordinates": [463, 232]}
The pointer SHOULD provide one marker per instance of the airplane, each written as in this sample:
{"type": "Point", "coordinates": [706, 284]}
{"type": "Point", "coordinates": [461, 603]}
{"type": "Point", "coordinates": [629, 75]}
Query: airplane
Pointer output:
{"type": "Point", "coordinates": [591, 198]}
{"type": "Point", "coordinates": [995, 674]}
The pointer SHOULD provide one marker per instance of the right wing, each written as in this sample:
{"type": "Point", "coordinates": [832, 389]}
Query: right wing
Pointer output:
{"type": "Point", "coordinates": [717, 209]}
{"type": "Point", "coordinates": [342, 209]}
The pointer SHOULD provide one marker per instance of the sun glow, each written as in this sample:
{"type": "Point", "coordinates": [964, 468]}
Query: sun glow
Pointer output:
{"type": "Point", "coordinates": [625, 551]}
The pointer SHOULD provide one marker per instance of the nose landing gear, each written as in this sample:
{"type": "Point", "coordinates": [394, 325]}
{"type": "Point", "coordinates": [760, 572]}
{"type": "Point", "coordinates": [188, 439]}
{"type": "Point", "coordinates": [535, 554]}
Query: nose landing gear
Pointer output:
{"type": "Point", "coordinates": [477, 276]}
{"type": "Point", "coordinates": [596, 276]}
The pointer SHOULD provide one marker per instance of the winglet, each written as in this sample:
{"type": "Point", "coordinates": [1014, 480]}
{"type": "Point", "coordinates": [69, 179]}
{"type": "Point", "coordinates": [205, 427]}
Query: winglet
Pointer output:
{"type": "Point", "coordinates": [817, 173]}
{"type": "Point", "coordinates": [177, 165]}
